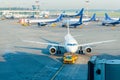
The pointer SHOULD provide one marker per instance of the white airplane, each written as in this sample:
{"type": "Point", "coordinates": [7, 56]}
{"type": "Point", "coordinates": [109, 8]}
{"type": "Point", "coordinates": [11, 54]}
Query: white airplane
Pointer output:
{"type": "Point", "coordinates": [110, 21]}
{"type": "Point", "coordinates": [70, 45]}
{"type": "Point", "coordinates": [43, 22]}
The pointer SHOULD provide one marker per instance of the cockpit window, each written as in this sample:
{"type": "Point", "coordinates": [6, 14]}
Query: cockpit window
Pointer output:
{"type": "Point", "coordinates": [71, 44]}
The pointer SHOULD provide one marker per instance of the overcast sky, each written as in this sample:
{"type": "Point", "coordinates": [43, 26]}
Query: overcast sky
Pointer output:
{"type": "Point", "coordinates": [63, 4]}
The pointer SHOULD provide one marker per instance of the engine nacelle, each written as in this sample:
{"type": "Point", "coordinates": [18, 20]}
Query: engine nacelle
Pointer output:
{"type": "Point", "coordinates": [52, 50]}
{"type": "Point", "coordinates": [88, 49]}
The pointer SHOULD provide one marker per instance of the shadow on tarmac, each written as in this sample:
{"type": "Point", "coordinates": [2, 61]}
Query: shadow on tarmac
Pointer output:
{"type": "Point", "coordinates": [27, 66]}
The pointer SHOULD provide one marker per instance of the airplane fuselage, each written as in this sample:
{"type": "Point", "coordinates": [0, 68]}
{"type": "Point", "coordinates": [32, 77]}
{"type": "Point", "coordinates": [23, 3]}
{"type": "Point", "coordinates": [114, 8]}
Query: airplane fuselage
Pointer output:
{"type": "Point", "coordinates": [71, 44]}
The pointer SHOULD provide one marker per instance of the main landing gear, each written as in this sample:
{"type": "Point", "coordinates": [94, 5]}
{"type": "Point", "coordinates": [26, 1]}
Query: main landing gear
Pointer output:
{"type": "Point", "coordinates": [81, 50]}
{"type": "Point", "coordinates": [58, 51]}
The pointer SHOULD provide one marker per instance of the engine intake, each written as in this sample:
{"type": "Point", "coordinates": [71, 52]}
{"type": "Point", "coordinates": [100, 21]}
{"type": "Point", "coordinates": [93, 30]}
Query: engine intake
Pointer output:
{"type": "Point", "coordinates": [52, 50]}
{"type": "Point", "coordinates": [88, 49]}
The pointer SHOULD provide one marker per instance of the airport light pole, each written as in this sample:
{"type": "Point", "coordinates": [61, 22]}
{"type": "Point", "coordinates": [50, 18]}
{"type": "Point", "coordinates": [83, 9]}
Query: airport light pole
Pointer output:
{"type": "Point", "coordinates": [87, 2]}
{"type": "Point", "coordinates": [37, 7]}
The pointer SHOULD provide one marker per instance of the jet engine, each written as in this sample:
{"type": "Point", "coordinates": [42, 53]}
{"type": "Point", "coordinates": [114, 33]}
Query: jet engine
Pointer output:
{"type": "Point", "coordinates": [88, 49]}
{"type": "Point", "coordinates": [52, 50]}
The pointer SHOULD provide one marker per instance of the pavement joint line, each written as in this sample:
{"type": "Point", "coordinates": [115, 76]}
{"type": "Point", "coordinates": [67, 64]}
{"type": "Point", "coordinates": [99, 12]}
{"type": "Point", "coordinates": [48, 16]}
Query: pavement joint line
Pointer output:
{"type": "Point", "coordinates": [57, 72]}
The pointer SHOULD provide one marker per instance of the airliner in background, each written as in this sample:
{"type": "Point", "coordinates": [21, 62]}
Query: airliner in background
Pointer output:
{"type": "Point", "coordinates": [93, 18]}
{"type": "Point", "coordinates": [43, 22]}
{"type": "Point", "coordinates": [75, 22]}
{"type": "Point", "coordinates": [108, 17]}
{"type": "Point", "coordinates": [49, 21]}
{"type": "Point", "coordinates": [109, 21]}
{"type": "Point", "coordinates": [70, 44]}
{"type": "Point", "coordinates": [75, 15]}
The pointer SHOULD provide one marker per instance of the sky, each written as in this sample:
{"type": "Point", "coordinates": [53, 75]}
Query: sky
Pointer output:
{"type": "Point", "coordinates": [63, 4]}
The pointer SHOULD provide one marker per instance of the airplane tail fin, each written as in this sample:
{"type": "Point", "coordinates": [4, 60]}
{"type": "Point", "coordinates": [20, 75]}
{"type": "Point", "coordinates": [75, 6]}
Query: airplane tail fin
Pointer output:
{"type": "Point", "coordinates": [59, 18]}
{"type": "Point", "coordinates": [80, 12]}
{"type": "Point", "coordinates": [107, 17]}
{"type": "Point", "coordinates": [93, 18]}
{"type": "Point", "coordinates": [119, 19]}
{"type": "Point", "coordinates": [80, 20]}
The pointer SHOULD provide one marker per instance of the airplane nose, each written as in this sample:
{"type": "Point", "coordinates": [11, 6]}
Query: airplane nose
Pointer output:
{"type": "Point", "coordinates": [72, 49]}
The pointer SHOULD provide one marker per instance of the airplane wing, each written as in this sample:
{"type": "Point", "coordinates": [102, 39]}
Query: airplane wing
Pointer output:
{"type": "Point", "coordinates": [94, 43]}
{"type": "Point", "coordinates": [52, 44]}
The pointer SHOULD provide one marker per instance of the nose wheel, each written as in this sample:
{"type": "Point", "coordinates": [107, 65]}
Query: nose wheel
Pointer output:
{"type": "Point", "coordinates": [80, 50]}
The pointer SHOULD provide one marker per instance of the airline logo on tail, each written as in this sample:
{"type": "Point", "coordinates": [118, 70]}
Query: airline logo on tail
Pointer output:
{"type": "Point", "coordinates": [59, 18]}
{"type": "Point", "coordinates": [77, 23]}
{"type": "Point", "coordinates": [80, 13]}
{"type": "Point", "coordinates": [107, 17]}
{"type": "Point", "coordinates": [93, 18]}
{"type": "Point", "coordinates": [109, 21]}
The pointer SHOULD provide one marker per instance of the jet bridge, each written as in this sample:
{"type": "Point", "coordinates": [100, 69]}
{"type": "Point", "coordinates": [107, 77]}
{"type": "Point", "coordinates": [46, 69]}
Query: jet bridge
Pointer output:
{"type": "Point", "coordinates": [103, 68]}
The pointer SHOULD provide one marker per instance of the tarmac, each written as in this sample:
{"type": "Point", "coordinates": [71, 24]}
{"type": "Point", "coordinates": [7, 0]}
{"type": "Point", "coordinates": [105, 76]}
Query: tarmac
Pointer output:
{"type": "Point", "coordinates": [27, 61]}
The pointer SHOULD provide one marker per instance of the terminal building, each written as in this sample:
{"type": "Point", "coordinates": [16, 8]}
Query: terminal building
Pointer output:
{"type": "Point", "coordinates": [15, 12]}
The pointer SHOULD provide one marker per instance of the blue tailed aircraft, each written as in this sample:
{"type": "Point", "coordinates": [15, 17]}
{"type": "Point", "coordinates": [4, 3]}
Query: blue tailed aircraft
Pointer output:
{"type": "Point", "coordinates": [109, 21]}
{"type": "Point", "coordinates": [78, 14]}
{"type": "Point", "coordinates": [93, 18]}
{"type": "Point", "coordinates": [73, 24]}
{"type": "Point", "coordinates": [76, 20]}
{"type": "Point", "coordinates": [44, 22]}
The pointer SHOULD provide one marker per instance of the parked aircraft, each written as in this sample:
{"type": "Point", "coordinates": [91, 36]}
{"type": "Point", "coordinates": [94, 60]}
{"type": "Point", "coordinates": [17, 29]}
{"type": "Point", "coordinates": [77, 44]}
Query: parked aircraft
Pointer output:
{"type": "Point", "coordinates": [72, 24]}
{"type": "Point", "coordinates": [93, 18]}
{"type": "Point", "coordinates": [108, 17]}
{"type": "Point", "coordinates": [70, 44]}
{"type": "Point", "coordinates": [73, 21]}
{"type": "Point", "coordinates": [109, 21]}
{"type": "Point", "coordinates": [43, 22]}
{"type": "Point", "coordinates": [69, 15]}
